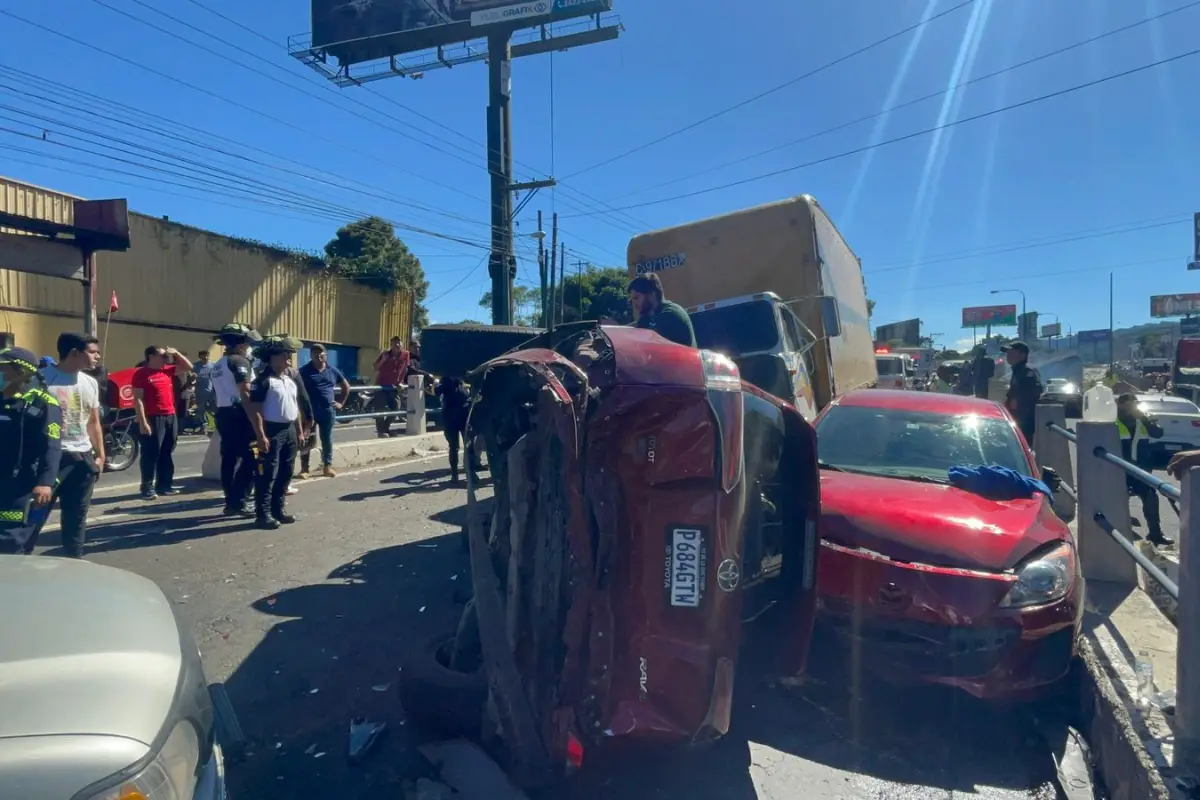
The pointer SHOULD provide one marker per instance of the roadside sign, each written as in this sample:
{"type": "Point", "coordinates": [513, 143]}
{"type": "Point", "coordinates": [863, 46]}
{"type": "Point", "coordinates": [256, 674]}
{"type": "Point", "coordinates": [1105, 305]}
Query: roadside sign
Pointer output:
{"type": "Point", "coordinates": [1174, 305]}
{"type": "Point", "coordinates": [996, 316]}
{"type": "Point", "coordinates": [1050, 330]}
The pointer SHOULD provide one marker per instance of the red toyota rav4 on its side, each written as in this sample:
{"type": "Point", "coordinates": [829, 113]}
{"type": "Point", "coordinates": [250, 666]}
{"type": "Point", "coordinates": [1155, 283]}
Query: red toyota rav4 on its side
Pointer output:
{"type": "Point", "coordinates": [647, 501]}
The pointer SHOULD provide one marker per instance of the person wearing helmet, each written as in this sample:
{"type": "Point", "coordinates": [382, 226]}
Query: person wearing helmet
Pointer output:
{"type": "Point", "coordinates": [278, 407]}
{"type": "Point", "coordinates": [30, 450]}
{"type": "Point", "coordinates": [231, 378]}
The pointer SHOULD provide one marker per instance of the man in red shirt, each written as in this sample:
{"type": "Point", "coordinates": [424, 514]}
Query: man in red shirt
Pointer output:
{"type": "Point", "coordinates": [154, 402]}
{"type": "Point", "coordinates": [391, 371]}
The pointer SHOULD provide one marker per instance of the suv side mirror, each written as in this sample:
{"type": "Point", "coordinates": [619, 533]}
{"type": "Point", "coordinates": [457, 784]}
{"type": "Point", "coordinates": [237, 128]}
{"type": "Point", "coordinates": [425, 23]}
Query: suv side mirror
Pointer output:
{"type": "Point", "coordinates": [831, 316]}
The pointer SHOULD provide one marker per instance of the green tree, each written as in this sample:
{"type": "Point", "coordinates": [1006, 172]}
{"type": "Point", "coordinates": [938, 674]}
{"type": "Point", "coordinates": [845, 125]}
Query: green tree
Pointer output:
{"type": "Point", "coordinates": [369, 252]}
{"type": "Point", "coordinates": [870, 308]}
{"type": "Point", "coordinates": [527, 304]}
{"type": "Point", "coordinates": [950, 355]}
{"type": "Point", "coordinates": [596, 294]}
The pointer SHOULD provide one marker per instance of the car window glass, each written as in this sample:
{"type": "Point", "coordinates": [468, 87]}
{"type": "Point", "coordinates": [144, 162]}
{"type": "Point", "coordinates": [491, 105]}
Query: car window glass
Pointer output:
{"type": "Point", "coordinates": [1169, 407]}
{"type": "Point", "coordinates": [791, 335]}
{"type": "Point", "coordinates": [737, 329]}
{"type": "Point", "coordinates": [803, 341]}
{"type": "Point", "coordinates": [887, 365]}
{"type": "Point", "coordinates": [902, 443]}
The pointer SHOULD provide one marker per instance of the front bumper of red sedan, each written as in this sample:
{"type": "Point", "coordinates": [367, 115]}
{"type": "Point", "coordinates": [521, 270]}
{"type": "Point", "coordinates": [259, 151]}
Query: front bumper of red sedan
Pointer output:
{"type": "Point", "coordinates": [925, 624]}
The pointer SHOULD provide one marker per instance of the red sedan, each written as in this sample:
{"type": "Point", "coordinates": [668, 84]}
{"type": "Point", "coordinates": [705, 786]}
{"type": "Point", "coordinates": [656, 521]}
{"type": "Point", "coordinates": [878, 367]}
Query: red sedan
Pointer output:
{"type": "Point", "coordinates": [930, 582]}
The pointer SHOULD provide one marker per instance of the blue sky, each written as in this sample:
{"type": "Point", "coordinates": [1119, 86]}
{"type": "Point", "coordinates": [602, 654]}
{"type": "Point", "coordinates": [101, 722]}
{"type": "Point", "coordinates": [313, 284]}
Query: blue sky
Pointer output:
{"type": "Point", "coordinates": [1118, 159]}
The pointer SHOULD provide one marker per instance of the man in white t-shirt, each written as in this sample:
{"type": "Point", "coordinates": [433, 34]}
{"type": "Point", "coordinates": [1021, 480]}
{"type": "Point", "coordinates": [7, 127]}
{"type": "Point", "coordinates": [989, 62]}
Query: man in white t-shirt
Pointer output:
{"type": "Point", "coordinates": [78, 394]}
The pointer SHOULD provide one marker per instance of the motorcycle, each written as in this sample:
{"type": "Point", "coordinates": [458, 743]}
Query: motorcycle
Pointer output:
{"type": "Point", "coordinates": [121, 444]}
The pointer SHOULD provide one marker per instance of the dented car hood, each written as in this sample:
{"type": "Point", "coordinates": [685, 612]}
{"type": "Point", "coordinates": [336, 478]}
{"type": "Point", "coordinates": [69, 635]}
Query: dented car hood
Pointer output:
{"type": "Point", "coordinates": [934, 524]}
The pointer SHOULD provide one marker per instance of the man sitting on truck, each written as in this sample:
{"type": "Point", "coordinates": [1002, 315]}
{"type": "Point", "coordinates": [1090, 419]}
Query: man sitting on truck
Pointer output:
{"type": "Point", "coordinates": [652, 310]}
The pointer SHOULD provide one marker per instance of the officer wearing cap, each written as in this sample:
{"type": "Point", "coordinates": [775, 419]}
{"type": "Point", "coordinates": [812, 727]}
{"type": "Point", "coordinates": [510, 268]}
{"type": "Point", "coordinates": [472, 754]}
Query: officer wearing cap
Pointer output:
{"type": "Point", "coordinates": [30, 427]}
{"type": "Point", "coordinates": [278, 406]}
{"type": "Point", "coordinates": [231, 377]}
{"type": "Point", "coordinates": [1024, 390]}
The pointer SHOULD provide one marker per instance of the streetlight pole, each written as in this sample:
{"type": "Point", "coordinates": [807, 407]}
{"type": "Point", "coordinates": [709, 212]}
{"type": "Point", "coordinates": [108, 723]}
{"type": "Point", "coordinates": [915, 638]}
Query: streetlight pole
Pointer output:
{"type": "Point", "coordinates": [1018, 291]}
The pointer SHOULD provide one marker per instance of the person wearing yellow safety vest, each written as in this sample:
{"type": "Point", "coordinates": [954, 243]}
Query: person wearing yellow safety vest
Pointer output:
{"type": "Point", "coordinates": [30, 450]}
{"type": "Point", "coordinates": [1135, 427]}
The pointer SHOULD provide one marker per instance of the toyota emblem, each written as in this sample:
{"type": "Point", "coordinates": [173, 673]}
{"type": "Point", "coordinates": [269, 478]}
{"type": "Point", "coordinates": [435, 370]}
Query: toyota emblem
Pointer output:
{"type": "Point", "coordinates": [728, 575]}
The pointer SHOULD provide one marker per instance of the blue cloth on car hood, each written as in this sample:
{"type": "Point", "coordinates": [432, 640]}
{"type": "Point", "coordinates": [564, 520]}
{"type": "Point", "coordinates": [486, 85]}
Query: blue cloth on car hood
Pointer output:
{"type": "Point", "coordinates": [996, 483]}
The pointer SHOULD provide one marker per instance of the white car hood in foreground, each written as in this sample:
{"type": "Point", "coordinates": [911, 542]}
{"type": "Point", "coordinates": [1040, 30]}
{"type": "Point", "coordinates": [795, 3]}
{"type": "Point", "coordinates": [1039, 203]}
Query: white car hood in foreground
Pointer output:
{"type": "Point", "coordinates": [89, 654]}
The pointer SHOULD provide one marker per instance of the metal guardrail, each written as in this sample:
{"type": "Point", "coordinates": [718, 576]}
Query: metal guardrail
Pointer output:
{"type": "Point", "coordinates": [1160, 486]}
{"type": "Point", "coordinates": [1160, 577]}
{"type": "Point", "coordinates": [399, 414]}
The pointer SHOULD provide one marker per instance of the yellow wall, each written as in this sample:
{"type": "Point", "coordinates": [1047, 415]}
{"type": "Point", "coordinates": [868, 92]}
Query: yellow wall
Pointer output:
{"type": "Point", "coordinates": [177, 285]}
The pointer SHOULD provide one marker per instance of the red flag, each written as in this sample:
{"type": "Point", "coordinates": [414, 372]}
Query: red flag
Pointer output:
{"type": "Point", "coordinates": [113, 307]}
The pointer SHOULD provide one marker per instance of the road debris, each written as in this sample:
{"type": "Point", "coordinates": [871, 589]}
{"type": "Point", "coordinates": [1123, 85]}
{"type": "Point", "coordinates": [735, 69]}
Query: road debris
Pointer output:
{"type": "Point", "coordinates": [363, 736]}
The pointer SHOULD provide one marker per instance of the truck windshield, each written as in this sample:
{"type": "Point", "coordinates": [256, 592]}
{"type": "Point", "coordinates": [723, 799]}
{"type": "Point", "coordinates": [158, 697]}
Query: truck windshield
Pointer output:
{"type": "Point", "coordinates": [737, 329]}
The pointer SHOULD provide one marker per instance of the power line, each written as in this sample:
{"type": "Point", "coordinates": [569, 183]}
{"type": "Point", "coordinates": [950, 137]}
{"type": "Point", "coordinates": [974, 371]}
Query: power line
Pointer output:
{"type": "Point", "coordinates": [773, 90]}
{"type": "Point", "coordinates": [890, 109]}
{"type": "Point", "coordinates": [1095, 233]}
{"type": "Point", "coordinates": [126, 119]}
{"type": "Point", "coordinates": [914, 135]}
{"type": "Point", "coordinates": [1038, 275]}
{"type": "Point", "coordinates": [385, 98]}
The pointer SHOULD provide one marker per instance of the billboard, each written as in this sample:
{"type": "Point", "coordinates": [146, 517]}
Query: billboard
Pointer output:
{"type": "Point", "coordinates": [363, 30]}
{"type": "Point", "coordinates": [1027, 325]}
{"type": "Point", "coordinates": [1174, 305]}
{"type": "Point", "coordinates": [900, 334]}
{"type": "Point", "coordinates": [1052, 330]}
{"type": "Point", "coordinates": [981, 316]}
{"type": "Point", "coordinates": [1093, 337]}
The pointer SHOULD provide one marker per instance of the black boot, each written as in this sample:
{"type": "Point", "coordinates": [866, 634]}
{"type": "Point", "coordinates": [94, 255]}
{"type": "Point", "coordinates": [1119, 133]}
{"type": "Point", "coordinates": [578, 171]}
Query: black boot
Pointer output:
{"type": "Point", "coordinates": [280, 514]}
{"type": "Point", "coordinates": [265, 522]}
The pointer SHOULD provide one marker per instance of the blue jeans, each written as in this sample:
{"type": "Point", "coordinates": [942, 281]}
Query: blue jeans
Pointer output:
{"type": "Point", "coordinates": [323, 417]}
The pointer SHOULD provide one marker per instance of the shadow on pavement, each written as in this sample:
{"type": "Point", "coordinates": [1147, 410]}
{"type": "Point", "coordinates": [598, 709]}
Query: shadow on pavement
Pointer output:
{"type": "Point", "coordinates": [130, 494]}
{"type": "Point", "coordinates": [333, 654]}
{"type": "Point", "coordinates": [837, 737]}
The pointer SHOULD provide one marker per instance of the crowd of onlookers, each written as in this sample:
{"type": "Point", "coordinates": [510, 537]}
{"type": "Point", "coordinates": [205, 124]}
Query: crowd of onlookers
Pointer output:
{"type": "Point", "coordinates": [55, 411]}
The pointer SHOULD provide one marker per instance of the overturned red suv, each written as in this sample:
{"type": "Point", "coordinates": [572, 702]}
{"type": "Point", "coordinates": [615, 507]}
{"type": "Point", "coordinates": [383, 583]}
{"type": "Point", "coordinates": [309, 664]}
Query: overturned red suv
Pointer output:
{"type": "Point", "coordinates": [647, 501]}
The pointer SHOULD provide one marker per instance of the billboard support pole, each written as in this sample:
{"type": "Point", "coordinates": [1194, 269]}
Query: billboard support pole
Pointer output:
{"type": "Point", "coordinates": [501, 265]}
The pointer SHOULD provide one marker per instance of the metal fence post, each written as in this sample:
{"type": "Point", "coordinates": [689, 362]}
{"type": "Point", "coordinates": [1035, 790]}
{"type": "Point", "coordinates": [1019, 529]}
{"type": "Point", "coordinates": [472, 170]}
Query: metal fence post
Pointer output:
{"type": "Point", "coordinates": [1102, 490]}
{"type": "Point", "coordinates": [1053, 450]}
{"type": "Point", "coordinates": [1187, 654]}
{"type": "Point", "coordinates": [414, 421]}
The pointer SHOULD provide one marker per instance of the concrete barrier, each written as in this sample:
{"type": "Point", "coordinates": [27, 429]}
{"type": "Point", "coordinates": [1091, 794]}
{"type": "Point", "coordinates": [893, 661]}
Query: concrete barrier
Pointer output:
{"type": "Point", "coordinates": [349, 455]}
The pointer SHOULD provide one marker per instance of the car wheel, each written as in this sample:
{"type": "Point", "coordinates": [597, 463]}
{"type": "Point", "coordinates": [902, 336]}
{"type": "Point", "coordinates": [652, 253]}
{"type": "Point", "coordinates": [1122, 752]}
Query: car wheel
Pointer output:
{"type": "Point", "coordinates": [439, 698]}
{"type": "Point", "coordinates": [455, 350]}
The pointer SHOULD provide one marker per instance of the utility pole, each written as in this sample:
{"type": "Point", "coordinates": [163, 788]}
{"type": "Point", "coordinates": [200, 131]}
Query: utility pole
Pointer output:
{"type": "Point", "coordinates": [499, 120]}
{"type": "Point", "coordinates": [553, 271]}
{"type": "Point", "coordinates": [562, 272]}
{"type": "Point", "coordinates": [1112, 345]}
{"type": "Point", "coordinates": [542, 276]}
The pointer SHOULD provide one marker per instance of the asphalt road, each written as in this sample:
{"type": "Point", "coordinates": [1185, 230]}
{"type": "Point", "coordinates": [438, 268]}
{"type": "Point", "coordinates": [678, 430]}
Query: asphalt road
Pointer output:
{"type": "Point", "coordinates": [307, 626]}
{"type": "Point", "coordinates": [189, 452]}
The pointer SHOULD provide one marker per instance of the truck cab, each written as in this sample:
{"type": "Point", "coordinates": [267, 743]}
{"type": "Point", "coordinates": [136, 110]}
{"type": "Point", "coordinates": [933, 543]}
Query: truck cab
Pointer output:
{"type": "Point", "coordinates": [771, 346]}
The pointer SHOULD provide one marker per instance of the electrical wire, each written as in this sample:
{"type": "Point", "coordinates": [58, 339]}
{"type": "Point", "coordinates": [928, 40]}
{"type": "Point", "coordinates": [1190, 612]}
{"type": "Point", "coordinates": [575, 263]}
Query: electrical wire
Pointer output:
{"type": "Point", "coordinates": [126, 118]}
{"type": "Point", "coordinates": [1038, 275]}
{"type": "Point", "coordinates": [914, 135]}
{"type": "Point", "coordinates": [591, 200]}
{"type": "Point", "coordinates": [907, 104]}
{"type": "Point", "coordinates": [793, 81]}
{"type": "Point", "coordinates": [1000, 249]}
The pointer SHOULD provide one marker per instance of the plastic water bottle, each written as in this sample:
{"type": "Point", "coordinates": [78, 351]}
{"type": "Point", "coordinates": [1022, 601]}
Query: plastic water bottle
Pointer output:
{"type": "Point", "coordinates": [1143, 670]}
{"type": "Point", "coordinates": [1099, 405]}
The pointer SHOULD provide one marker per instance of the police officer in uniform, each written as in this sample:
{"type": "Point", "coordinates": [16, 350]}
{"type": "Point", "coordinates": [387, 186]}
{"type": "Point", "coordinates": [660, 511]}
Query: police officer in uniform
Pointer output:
{"type": "Point", "coordinates": [231, 377]}
{"type": "Point", "coordinates": [1136, 427]}
{"type": "Point", "coordinates": [30, 426]}
{"type": "Point", "coordinates": [1024, 389]}
{"type": "Point", "coordinates": [278, 406]}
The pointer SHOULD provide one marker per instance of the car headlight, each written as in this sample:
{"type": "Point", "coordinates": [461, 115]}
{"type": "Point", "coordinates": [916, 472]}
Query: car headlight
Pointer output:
{"type": "Point", "coordinates": [1043, 579]}
{"type": "Point", "coordinates": [170, 776]}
